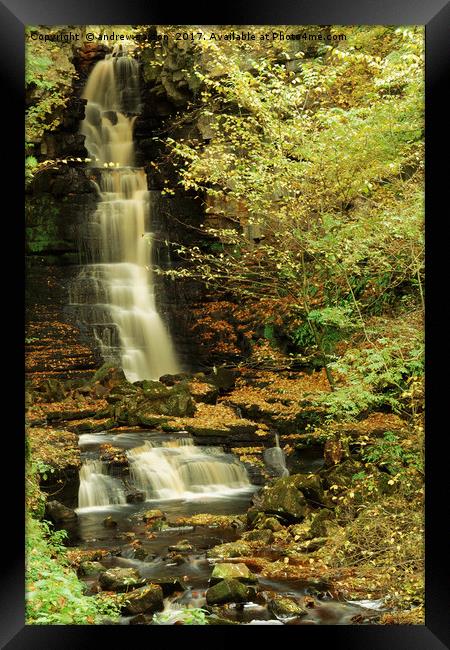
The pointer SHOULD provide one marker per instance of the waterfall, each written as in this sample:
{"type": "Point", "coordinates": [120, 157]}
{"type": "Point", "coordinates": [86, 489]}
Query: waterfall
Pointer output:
{"type": "Point", "coordinates": [180, 469]}
{"type": "Point", "coordinates": [164, 470]}
{"type": "Point", "coordinates": [97, 488]}
{"type": "Point", "coordinates": [115, 291]}
{"type": "Point", "coordinates": [275, 459]}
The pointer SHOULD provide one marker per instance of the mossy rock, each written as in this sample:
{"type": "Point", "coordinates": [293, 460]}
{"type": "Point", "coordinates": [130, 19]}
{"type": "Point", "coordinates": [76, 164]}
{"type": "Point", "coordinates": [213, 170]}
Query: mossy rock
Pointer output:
{"type": "Point", "coordinates": [121, 580]}
{"type": "Point", "coordinates": [241, 548]}
{"type": "Point", "coordinates": [235, 571]}
{"type": "Point", "coordinates": [144, 599]}
{"type": "Point", "coordinates": [284, 499]}
{"type": "Point", "coordinates": [310, 485]}
{"type": "Point", "coordinates": [90, 569]}
{"type": "Point", "coordinates": [284, 607]}
{"type": "Point", "coordinates": [265, 536]}
{"type": "Point", "coordinates": [109, 374]}
{"type": "Point", "coordinates": [228, 591]}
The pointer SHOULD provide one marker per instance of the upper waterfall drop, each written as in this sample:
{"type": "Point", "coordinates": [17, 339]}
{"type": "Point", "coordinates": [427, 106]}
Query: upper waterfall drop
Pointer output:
{"type": "Point", "coordinates": [119, 277]}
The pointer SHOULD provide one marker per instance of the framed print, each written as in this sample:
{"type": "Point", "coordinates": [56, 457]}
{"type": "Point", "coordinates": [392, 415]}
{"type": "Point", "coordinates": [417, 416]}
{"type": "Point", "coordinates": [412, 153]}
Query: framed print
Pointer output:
{"type": "Point", "coordinates": [226, 221]}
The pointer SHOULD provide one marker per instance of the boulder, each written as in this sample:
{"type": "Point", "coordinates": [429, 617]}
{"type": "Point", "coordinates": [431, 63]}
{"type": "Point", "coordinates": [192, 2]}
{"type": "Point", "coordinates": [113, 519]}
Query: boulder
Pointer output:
{"type": "Point", "coordinates": [169, 585]}
{"type": "Point", "coordinates": [133, 551]}
{"type": "Point", "coordinates": [284, 607]}
{"type": "Point", "coordinates": [60, 514]}
{"type": "Point", "coordinates": [183, 546]}
{"type": "Point", "coordinates": [121, 579]}
{"type": "Point", "coordinates": [310, 485]}
{"type": "Point", "coordinates": [151, 515]}
{"type": "Point", "coordinates": [109, 375]}
{"type": "Point", "coordinates": [137, 496]}
{"type": "Point", "coordinates": [265, 536]}
{"type": "Point", "coordinates": [90, 569]}
{"type": "Point", "coordinates": [109, 522]}
{"type": "Point", "coordinates": [227, 591]}
{"type": "Point", "coordinates": [284, 499]}
{"type": "Point", "coordinates": [227, 571]}
{"type": "Point", "coordinates": [141, 402]}
{"type": "Point", "coordinates": [144, 599]}
{"type": "Point", "coordinates": [171, 380]}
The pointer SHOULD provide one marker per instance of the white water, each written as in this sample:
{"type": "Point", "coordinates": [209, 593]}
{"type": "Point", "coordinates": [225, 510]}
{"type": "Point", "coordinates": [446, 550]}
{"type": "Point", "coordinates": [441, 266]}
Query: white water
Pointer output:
{"type": "Point", "coordinates": [97, 488]}
{"type": "Point", "coordinates": [173, 469]}
{"type": "Point", "coordinates": [121, 301]}
{"type": "Point", "coordinates": [275, 458]}
{"type": "Point", "coordinates": [180, 469]}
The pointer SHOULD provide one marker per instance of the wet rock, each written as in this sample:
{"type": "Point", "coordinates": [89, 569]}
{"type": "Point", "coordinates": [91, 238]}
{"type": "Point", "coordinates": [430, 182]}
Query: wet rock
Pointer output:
{"type": "Point", "coordinates": [90, 569]}
{"type": "Point", "coordinates": [283, 499]}
{"type": "Point", "coordinates": [169, 585]}
{"type": "Point", "coordinates": [213, 619]}
{"type": "Point", "coordinates": [121, 579]}
{"type": "Point", "coordinates": [133, 551]}
{"type": "Point", "coordinates": [148, 399]}
{"type": "Point", "coordinates": [265, 536]}
{"type": "Point", "coordinates": [283, 607]}
{"type": "Point", "coordinates": [227, 570]}
{"type": "Point", "coordinates": [60, 514]}
{"type": "Point", "coordinates": [141, 619]}
{"type": "Point", "coordinates": [144, 599]}
{"type": "Point", "coordinates": [227, 591]}
{"type": "Point", "coordinates": [310, 485]}
{"type": "Point", "coordinates": [137, 496]}
{"type": "Point", "coordinates": [150, 516]}
{"type": "Point", "coordinates": [109, 522]}
{"type": "Point", "coordinates": [183, 546]}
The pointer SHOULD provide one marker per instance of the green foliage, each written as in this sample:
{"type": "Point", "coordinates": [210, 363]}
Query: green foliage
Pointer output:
{"type": "Point", "coordinates": [43, 469]}
{"type": "Point", "coordinates": [54, 595]}
{"type": "Point", "coordinates": [187, 616]}
{"type": "Point", "coordinates": [376, 376]}
{"type": "Point", "coordinates": [48, 80]}
{"type": "Point", "coordinates": [324, 155]}
{"type": "Point", "coordinates": [390, 455]}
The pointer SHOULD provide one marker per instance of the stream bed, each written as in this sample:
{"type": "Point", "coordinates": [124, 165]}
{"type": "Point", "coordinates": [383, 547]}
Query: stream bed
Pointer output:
{"type": "Point", "coordinates": [174, 476]}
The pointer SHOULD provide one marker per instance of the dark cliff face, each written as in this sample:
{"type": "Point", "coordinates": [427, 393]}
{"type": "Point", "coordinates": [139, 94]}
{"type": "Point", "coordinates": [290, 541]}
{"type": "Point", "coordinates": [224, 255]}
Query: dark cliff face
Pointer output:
{"type": "Point", "coordinates": [59, 204]}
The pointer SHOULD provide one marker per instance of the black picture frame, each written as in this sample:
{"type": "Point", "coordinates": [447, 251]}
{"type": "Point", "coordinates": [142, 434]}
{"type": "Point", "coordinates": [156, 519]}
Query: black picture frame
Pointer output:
{"type": "Point", "coordinates": [435, 15]}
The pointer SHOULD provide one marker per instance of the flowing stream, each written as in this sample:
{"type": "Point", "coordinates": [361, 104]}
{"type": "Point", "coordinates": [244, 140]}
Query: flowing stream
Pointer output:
{"type": "Point", "coordinates": [163, 470]}
{"type": "Point", "coordinates": [180, 478]}
{"type": "Point", "coordinates": [115, 292]}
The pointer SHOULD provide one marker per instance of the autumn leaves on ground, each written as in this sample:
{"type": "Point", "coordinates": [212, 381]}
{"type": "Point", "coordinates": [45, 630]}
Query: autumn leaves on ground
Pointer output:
{"type": "Point", "coordinates": [307, 161]}
{"type": "Point", "coordinates": [359, 533]}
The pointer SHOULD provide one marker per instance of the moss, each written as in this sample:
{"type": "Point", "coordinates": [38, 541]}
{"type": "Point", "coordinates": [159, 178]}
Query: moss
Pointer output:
{"type": "Point", "coordinates": [42, 231]}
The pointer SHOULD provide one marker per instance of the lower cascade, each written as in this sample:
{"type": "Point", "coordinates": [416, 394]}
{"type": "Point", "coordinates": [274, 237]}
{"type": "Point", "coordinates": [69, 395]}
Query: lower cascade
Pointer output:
{"type": "Point", "coordinates": [172, 470]}
{"type": "Point", "coordinates": [169, 470]}
{"type": "Point", "coordinates": [97, 488]}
